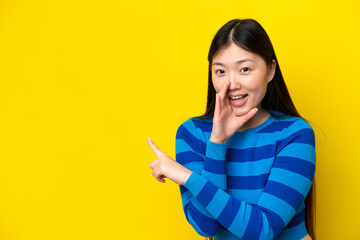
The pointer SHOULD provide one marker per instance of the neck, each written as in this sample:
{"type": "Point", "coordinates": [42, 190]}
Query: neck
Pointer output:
{"type": "Point", "coordinates": [260, 117]}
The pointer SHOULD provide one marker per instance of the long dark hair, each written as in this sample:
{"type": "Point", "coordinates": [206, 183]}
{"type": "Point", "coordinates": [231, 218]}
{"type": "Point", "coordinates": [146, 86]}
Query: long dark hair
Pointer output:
{"type": "Point", "coordinates": [251, 36]}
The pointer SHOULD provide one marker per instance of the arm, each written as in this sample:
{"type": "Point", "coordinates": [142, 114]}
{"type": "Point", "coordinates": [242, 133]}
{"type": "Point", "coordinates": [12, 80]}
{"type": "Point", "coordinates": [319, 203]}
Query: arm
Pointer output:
{"type": "Point", "coordinates": [288, 184]}
{"type": "Point", "coordinates": [207, 160]}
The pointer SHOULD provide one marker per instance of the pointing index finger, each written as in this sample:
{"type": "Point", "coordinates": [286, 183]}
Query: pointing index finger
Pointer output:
{"type": "Point", "coordinates": [156, 150]}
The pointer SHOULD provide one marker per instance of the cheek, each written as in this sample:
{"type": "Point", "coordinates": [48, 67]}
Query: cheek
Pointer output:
{"type": "Point", "coordinates": [253, 86]}
{"type": "Point", "coordinates": [257, 85]}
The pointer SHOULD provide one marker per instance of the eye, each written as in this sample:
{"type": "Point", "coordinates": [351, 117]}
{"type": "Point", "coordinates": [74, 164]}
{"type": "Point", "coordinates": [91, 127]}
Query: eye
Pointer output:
{"type": "Point", "coordinates": [245, 69]}
{"type": "Point", "coordinates": [220, 71]}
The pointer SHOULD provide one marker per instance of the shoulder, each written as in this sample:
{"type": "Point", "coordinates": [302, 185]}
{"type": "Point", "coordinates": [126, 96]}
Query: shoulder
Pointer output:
{"type": "Point", "coordinates": [191, 136]}
{"type": "Point", "coordinates": [288, 122]}
{"type": "Point", "coordinates": [298, 126]}
{"type": "Point", "coordinates": [292, 124]}
{"type": "Point", "coordinates": [295, 130]}
{"type": "Point", "coordinates": [194, 126]}
{"type": "Point", "coordinates": [284, 125]}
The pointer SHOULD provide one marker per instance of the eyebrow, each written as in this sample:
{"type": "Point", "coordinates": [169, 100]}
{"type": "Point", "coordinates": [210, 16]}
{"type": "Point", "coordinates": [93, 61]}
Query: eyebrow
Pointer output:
{"type": "Point", "coordinates": [237, 62]}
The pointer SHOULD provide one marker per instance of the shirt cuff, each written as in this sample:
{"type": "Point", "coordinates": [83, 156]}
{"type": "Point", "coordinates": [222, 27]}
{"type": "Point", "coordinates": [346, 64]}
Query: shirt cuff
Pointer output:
{"type": "Point", "coordinates": [195, 183]}
{"type": "Point", "coordinates": [216, 151]}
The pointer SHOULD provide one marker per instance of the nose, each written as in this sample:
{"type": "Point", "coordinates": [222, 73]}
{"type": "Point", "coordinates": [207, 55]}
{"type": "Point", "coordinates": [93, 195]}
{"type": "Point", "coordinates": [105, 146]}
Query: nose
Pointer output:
{"type": "Point", "coordinates": [234, 81]}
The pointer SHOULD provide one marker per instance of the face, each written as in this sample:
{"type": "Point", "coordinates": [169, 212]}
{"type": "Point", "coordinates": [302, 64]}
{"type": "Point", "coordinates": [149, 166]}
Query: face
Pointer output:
{"type": "Point", "coordinates": [248, 75]}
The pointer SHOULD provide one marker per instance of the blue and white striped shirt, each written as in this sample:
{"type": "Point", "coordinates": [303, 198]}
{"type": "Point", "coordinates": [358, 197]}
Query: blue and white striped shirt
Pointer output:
{"type": "Point", "coordinates": [252, 187]}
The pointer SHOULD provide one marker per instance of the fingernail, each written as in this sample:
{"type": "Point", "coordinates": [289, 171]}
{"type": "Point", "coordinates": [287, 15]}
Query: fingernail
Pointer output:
{"type": "Point", "coordinates": [257, 109]}
{"type": "Point", "coordinates": [148, 138]}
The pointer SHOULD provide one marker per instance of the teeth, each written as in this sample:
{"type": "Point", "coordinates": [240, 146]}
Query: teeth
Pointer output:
{"type": "Point", "coordinates": [238, 97]}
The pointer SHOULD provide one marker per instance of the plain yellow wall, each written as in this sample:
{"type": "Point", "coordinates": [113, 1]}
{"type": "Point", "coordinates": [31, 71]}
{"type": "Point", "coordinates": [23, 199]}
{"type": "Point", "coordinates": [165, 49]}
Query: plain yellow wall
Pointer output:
{"type": "Point", "coordinates": [83, 83]}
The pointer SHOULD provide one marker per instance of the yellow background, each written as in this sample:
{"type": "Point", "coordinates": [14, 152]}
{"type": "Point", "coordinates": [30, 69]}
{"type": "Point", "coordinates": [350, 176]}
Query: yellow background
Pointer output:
{"type": "Point", "coordinates": [83, 83]}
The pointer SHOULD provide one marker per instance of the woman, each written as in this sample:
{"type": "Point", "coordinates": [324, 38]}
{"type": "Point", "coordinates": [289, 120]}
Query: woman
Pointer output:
{"type": "Point", "coordinates": [246, 167]}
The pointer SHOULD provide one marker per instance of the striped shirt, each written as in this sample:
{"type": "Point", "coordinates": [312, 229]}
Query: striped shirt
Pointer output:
{"type": "Point", "coordinates": [252, 187]}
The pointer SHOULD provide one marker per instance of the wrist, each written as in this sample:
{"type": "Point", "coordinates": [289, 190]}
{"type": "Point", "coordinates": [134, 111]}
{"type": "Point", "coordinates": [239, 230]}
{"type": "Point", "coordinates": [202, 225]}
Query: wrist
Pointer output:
{"type": "Point", "coordinates": [214, 140]}
{"type": "Point", "coordinates": [186, 176]}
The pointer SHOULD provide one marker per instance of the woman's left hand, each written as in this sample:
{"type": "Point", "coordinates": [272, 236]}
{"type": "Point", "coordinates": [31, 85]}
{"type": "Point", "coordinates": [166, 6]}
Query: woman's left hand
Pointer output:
{"type": "Point", "coordinates": [166, 167]}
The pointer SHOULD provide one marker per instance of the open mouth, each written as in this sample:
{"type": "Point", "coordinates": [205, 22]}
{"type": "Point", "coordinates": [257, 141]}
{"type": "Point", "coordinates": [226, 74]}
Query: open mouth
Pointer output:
{"type": "Point", "coordinates": [239, 100]}
{"type": "Point", "coordinates": [238, 97]}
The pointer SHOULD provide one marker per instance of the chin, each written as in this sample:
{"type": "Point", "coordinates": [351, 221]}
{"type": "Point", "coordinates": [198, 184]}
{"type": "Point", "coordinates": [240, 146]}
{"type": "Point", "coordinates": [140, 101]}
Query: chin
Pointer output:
{"type": "Point", "coordinates": [239, 113]}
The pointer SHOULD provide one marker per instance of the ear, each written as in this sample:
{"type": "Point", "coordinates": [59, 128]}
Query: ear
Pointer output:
{"type": "Point", "coordinates": [271, 71]}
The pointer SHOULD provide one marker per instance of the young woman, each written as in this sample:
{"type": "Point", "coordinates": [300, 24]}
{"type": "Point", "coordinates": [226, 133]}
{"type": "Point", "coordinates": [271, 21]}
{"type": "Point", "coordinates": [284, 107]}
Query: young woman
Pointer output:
{"type": "Point", "coordinates": [246, 167]}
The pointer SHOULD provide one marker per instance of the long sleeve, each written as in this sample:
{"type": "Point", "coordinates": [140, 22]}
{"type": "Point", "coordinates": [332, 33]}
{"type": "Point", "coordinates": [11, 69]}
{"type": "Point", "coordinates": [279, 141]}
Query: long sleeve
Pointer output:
{"type": "Point", "coordinates": [207, 160]}
{"type": "Point", "coordinates": [288, 183]}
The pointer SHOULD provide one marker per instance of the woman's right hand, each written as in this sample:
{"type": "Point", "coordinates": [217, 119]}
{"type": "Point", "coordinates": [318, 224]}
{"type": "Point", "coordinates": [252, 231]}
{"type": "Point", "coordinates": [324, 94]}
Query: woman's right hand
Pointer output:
{"type": "Point", "coordinates": [225, 122]}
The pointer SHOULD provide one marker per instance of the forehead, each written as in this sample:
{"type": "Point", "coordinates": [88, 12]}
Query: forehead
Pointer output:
{"type": "Point", "coordinates": [234, 53]}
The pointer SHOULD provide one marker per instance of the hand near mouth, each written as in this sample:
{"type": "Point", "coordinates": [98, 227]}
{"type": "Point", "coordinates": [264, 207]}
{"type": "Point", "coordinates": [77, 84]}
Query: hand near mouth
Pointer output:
{"type": "Point", "coordinates": [225, 122]}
